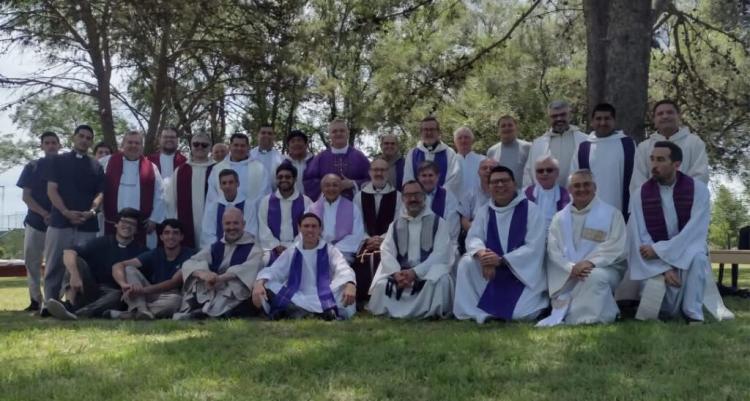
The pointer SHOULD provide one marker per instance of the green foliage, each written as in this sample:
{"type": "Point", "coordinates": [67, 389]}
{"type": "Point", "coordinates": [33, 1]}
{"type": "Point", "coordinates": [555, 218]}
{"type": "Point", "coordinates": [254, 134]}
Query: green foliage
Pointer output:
{"type": "Point", "coordinates": [728, 215]}
{"type": "Point", "coordinates": [383, 64]}
{"type": "Point", "coordinates": [61, 113]}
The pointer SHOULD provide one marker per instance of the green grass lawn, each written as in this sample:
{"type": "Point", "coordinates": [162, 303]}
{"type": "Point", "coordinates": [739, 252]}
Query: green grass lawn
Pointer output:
{"type": "Point", "coordinates": [368, 359]}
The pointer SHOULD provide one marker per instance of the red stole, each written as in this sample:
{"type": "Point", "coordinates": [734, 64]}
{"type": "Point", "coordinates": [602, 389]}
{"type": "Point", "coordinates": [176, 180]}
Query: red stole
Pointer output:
{"type": "Point", "coordinates": [184, 201]}
{"type": "Point", "coordinates": [178, 160]}
{"type": "Point", "coordinates": [112, 178]}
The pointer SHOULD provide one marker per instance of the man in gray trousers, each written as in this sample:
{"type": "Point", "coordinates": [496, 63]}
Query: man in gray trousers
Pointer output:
{"type": "Point", "coordinates": [75, 185]}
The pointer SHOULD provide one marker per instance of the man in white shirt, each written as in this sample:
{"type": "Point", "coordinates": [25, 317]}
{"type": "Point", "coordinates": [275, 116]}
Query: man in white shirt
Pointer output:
{"type": "Point", "coordinates": [561, 141]}
{"type": "Point", "coordinates": [265, 151]}
{"type": "Point", "coordinates": [463, 140]}
{"type": "Point", "coordinates": [342, 220]}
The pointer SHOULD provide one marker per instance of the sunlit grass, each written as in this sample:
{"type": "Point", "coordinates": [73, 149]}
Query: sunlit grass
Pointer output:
{"type": "Point", "coordinates": [367, 359]}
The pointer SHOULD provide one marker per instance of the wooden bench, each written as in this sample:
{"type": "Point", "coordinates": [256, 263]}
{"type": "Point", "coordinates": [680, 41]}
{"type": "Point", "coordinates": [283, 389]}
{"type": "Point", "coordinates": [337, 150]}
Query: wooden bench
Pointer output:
{"type": "Point", "coordinates": [12, 268]}
{"type": "Point", "coordinates": [734, 257]}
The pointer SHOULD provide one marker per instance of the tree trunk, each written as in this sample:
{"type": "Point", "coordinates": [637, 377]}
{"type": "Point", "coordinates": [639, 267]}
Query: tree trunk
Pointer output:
{"type": "Point", "coordinates": [98, 50]}
{"type": "Point", "coordinates": [618, 38]}
{"type": "Point", "coordinates": [161, 85]}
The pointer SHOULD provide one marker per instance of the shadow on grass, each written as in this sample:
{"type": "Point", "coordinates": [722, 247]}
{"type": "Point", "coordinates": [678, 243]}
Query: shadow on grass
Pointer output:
{"type": "Point", "coordinates": [373, 358]}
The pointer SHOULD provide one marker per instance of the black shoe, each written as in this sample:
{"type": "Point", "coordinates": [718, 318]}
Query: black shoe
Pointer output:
{"type": "Point", "coordinates": [33, 306]}
{"type": "Point", "coordinates": [44, 313]}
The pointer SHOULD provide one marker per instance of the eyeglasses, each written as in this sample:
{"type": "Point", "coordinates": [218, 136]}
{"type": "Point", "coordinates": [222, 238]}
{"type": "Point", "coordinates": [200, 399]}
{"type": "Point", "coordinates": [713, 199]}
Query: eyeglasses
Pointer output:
{"type": "Point", "coordinates": [410, 195]}
{"type": "Point", "coordinates": [545, 170]}
{"type": "Point", "coordinates": [201, 145]}
{"type": "Point", "coordinates": [498, 181]}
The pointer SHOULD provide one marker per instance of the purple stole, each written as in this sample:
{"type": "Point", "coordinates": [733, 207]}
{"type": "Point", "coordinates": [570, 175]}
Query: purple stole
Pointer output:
{"type": "Point", "coordinates": [281, 301]}
{"type": "Point", "coordinates": [561, 203]}
{"type": "Point", "coordinates": [274, 218]}
{"type": "Point", "coordinates": [628, 150]}
{"type": "Point", "coordinates": [184, 201]}
{"type": "Point", "coordinates": [653, 214]}
{"type": "Point", "coordinates": [377, 224]}
{"type": "Point", "coordinates": [344, 216]}
{"type": "Point", "coordinates": [238, 257]}
{"type": "Point", "coordinates": [441, 159]}
{"type": "Point", "coordinates": [113, 174]}
{"type": "Point", "coordinates": [220, 213]}
{"type": "Point", "coordinates": [502, 292]}
{"type": "Point", "coordinates": [400, 174]}
{"type": "Point", "coordinates": [438, 202]}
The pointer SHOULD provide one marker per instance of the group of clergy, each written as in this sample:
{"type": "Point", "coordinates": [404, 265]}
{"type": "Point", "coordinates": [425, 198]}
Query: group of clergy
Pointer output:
{"type": "Point", "coordinates": [554, 231]}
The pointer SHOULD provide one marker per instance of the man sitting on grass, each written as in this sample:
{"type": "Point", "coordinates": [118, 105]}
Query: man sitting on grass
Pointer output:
{"type": "Point", "coordinates": [151, 282]}
{"type": "Point", "coordinates": [92, 290]}
{"type": "Point", "coordinates": [311, 278]}
{"type": "Point", "coordinates": [413, 279]}
{"type": "Point", "coordinates": [219, 278]}
{"type": "Point", "coordinates": [667, 238]}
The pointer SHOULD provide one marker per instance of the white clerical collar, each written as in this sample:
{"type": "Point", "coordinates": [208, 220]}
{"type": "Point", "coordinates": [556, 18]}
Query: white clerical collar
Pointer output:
{"type": "Point", "coordinates": [425, 211]}
{"type": "Point", "coordinates": [547, 191]}
{"type": "Point", "coordinates": [304, 159]}
{"type": "Point", "coordinates": [681, 132]}
{"type": "Point", "coordinates": [246, 238]}
{"type": "Point", "coordinates": [294, 195]}
{"type": "Point", "coordinates": [168, 155]}
{"type": "Point", "coordinates": [243, 161]}
{"type": "Point", "coordinates": [507, 207]}
{"type": "Point", "coordinates": [339, 151]}
{"type": "Point", "coordinates": [239, 198]}
{"type": "Point", "coordinates": [206, 162]}
{"type": "Point", "coordinates": [370, 188]}
{"type": "Point", "coordinates": [585, 209]}
{"type": "Point", "coordinates": [300, 245]}
{"type": "Point", "coordinates": [433, 192]}
{"type": "Point", "coordinates": [438, 146]}
{"type": "Point", "coordinates": [334, 203]}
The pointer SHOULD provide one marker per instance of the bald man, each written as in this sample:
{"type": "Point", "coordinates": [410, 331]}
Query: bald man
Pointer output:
{"type": "Point", "coordinates": [218, 280]}
{"type": "Point", "coordinates": [463, 139]}
{"type": "Point", "coordinates": [342, 220]}
{"type": "Point", "coordinates": [219, 152]}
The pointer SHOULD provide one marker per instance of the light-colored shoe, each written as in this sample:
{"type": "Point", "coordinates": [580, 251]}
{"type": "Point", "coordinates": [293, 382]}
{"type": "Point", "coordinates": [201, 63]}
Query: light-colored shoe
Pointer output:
{"type": "Point", "coordinates": [58, 310]}
{"type": "Point", "coordinates": [119, 315]}
{"type": "Point", "coordinates": [143, 315]}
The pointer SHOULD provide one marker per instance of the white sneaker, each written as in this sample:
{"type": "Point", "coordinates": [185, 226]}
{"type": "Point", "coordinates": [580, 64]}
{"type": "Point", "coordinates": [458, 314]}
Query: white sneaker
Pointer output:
{"type": "Point", "coordinates": [58, 310]}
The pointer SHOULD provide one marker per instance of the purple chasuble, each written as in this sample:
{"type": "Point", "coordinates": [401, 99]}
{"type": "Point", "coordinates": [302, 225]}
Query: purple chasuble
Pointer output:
{"type": "Point", "coordinates": [238, 257]}
{"type": "Point", "coordinates": [561, 203]}
{"type": "Point", "coordinates": [653, 214]}
{"type": "Point", "coordinates": [438, 202]}
{"type": "Point", "coordinates": [628, 151]}
{"type": "Point", "coordinates": [502, 292]}
{"type": "Point", "coordinates": [441, 159]}
{"type": "Point", "coordinates": [344, 216]}
{"type": "Point", "coordinates": [281, 301]}
{"type": "Point", "coordinates": [352, 165]}
{"type": "Point", "coordinates": [220, 214]}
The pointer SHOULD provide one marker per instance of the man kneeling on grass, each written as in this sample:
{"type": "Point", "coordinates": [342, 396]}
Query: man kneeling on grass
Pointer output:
{"type": "Point", "coordinates": [151, 282]}
{"type": "Point", "coordinates": [92, 290]}
{"type": "Point", "coordinates": [219, 278]}
{"type": "Point", "coordinates": [311, 278]}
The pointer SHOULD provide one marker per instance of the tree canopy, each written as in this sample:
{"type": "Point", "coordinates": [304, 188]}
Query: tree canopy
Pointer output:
{"type": "Point", "coordinates": [223, 66]}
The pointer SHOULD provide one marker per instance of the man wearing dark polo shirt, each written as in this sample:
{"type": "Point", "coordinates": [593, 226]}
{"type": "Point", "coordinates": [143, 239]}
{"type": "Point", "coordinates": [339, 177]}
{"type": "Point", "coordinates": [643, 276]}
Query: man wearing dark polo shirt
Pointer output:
{"type": "Point", "coordinates": [75, 183]}
{"type": "Point", "coordinates": [34, 187]}
{"type": "Point", "coordinates": [151, 282]}
{"type": "Point", "coordinates": [92, 289]}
